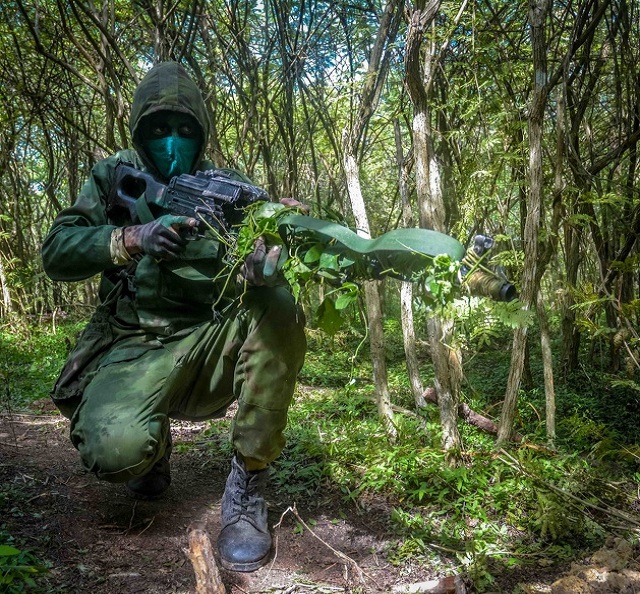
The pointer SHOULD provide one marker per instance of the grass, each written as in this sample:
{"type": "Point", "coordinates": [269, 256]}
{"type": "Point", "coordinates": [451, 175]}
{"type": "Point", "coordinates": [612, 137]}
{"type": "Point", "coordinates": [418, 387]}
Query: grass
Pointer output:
{"type": "Point", "coordinates": [21, 567]}
{"type": "Point", "coordinates": [18, 568]}
{"type": "Point", "coordinates": [497, 510]}
{"type": "Point", "coordinates": [31, 356]}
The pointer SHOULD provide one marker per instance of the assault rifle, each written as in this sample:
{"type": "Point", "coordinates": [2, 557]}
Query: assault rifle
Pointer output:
{"type": "Point", "coordinates": [209, 196]}
{"type": "Point", "coordinates": [219, 200]}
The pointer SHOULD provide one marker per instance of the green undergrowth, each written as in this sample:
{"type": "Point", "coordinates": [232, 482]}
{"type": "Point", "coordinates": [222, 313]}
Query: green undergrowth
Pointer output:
{"type": "Point", "coordinates": [19, 569]}
{"type": "Point", "coordinates": [31, 356]}
{"type": "Point", "coordinates": [497, 510]}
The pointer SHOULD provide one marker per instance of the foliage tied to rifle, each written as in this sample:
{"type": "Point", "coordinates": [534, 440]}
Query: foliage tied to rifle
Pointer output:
{"type": "Point", "coordinates": [309, 259]}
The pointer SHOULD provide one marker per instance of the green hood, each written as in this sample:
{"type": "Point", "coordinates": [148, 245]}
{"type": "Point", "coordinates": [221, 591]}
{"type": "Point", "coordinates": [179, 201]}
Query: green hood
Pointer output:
{"type": "Point", "coordinates": [167, 87]}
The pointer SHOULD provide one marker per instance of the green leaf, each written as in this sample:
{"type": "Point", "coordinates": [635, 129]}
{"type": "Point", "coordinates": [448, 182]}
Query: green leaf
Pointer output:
{"type": "Point", "coordinates": [313, 253]}
{"type": "Point", "coordinates": [345, 300]}
{"type": "Point", "coordinates": [329, 318]}
{"type": "Point", "coordinates": [7, 551]}
{"type": "Point", "coordinates": [329, 261]}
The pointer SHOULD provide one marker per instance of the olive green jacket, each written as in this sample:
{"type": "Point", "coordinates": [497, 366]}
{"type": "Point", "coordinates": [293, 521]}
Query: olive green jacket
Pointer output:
{"type": "Point", "coordinates": [148, 297]}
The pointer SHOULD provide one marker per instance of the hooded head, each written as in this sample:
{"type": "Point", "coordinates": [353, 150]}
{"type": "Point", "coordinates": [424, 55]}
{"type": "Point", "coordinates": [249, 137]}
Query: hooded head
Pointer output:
{"type": "Point", "coordinates": [169, 122]}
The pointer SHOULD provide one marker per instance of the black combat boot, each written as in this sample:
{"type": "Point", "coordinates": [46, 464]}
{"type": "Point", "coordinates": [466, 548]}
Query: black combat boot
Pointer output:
{"type": "Point", "coordinates": [153, 484]}
{"type": "Point", "coordinates": [244, 542]}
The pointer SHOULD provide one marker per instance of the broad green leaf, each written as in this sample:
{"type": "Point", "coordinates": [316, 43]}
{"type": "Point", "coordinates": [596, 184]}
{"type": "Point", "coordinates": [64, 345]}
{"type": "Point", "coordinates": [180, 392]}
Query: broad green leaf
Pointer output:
{"type": "Point", "coordinates": [329, 318]}
{"type": "Point", "coordinates": [313, 253]}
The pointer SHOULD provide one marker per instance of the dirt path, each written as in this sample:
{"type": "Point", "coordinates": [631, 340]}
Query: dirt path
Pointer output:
{"type": "Point", "coordinates": [100, 541]}
{"type": "Point", "coordinates": [97, 540]}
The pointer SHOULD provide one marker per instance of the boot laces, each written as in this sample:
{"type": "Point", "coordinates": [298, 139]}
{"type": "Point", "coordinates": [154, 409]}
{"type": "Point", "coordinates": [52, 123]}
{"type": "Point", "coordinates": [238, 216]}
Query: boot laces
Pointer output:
{"type": "Point", "coordinates": [247, 499]}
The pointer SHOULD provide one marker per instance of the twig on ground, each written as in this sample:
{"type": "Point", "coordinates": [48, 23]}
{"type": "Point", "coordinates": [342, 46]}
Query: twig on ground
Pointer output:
{"type": "Point", "coordinates": [147, 526]}
{"type": "Point", "coordinates": [347, 561]}
{"type": "Point", "coordinates": [11, 445]}
{"type": "Point", "coordinates": [36, 497]}
{"type": "Point", "coordinates": [133, 515]}
{"type": "Point", "coordinates": [303, 587]}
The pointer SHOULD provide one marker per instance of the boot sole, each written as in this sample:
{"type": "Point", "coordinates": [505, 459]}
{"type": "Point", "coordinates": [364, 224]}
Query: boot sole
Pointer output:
{"type": "Point", "coordinates": [244, 567]}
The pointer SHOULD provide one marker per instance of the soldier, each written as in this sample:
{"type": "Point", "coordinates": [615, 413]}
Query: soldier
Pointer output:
{"type": "Point", "coordinates": [165, 342]}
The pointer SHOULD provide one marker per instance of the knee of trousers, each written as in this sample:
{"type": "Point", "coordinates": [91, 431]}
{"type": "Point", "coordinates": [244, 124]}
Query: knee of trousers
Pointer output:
{"type": "Point", "coordinates": [120, 452]}
{"type": "Point", "coordinates": [277, 318]}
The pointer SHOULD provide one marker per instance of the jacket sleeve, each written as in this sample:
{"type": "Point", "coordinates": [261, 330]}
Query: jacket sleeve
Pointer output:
{"type": "Point", "coordinates": [77, 246]}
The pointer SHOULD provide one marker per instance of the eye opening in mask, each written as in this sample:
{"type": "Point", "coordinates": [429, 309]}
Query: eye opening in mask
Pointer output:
{"type": "Point", "coordinates": [168, 123]}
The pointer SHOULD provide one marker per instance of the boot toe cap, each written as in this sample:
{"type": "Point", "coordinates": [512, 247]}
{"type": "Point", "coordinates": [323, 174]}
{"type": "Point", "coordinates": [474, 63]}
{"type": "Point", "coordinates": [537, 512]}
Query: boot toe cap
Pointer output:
{"type": "Point", "coordinates": [243, 548]}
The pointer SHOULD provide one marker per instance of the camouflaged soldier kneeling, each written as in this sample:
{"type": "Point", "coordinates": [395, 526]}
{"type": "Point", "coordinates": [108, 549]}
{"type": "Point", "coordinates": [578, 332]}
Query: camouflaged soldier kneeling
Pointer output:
{"type": "Point", "coordinates": [155, 349]}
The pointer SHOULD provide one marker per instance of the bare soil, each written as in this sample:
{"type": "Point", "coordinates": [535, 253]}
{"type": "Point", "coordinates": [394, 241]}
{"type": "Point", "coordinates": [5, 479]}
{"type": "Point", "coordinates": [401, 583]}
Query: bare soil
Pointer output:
{"type": "Point", "coordinates": [100, 541]}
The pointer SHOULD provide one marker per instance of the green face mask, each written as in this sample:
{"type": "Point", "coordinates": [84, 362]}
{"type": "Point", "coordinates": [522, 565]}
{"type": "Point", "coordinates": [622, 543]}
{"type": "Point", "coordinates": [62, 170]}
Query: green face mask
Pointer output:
{"type": "Point", "coordinates": [173, 155]}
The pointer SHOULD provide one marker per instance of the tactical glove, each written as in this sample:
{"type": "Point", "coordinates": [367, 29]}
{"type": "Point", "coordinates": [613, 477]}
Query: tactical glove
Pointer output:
{"type": "Point", "coordinates": [163, 238]}
{"type": "Point", "coordinates": [262, 267]}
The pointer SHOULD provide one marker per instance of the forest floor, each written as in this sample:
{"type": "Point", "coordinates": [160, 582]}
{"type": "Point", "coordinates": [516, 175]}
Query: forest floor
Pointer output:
{"type": "Point", "coordinates": [98, 540]}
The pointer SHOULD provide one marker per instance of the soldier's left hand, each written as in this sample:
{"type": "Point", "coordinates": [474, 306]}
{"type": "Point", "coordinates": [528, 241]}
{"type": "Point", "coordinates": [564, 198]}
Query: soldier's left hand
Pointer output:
{"type": "Point", "coordinates": [262, 267]}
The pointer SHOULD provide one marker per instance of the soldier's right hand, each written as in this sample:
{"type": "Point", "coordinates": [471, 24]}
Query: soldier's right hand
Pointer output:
{"type": "Point", "coordinates": [162, 238]}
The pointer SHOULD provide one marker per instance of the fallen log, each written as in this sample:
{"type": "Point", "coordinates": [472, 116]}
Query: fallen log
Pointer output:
{"type": "Point", "coordinates": [470, 415]}
{"type": "Point", "coordinates": [454, 584]}
{"type": "Point", "coordinates": [208, 579]}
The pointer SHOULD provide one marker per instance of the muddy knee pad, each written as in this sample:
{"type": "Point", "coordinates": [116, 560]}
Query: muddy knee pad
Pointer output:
{"type": "Point", "coordinates": [119, 452]}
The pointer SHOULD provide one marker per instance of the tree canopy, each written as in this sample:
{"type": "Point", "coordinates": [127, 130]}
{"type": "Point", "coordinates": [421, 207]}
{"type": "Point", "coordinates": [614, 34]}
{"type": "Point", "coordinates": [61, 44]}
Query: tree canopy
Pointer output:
{"type": "Point", "coordinates": [292, 87]}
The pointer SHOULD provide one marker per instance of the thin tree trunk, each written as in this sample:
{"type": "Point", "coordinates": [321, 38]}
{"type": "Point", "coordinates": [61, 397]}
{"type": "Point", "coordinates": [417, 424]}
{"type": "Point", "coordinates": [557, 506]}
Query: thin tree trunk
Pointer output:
{"type": "Point", "coordinates": [447, 378]}
{"type": "Point", "coordinates": [530, 276]}
{"type": "Point", "coordinates": [372, 301]}
{"type": "Point", "coordinates": [406, 288]}
{"type": "Point", "coordinates": [7, 306]}
{"type": "Point", "coordinates": [378, 358]}
{"type": "Point", "coordinates": [545, 257]}
{"type": "Point", "coordinates": [351, 140]}
{"type": "Point", "coordinates": [410, 345]}
{"type": "Point", "coordinates": [547, 365]}
{"type": "Point", "coordinates": [446, 358]}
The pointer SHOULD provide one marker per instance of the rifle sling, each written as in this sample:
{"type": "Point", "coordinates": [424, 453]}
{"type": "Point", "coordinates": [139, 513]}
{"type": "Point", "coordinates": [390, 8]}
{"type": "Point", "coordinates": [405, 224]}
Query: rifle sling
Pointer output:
{"type": "Point", "coordinates": [143, 211]}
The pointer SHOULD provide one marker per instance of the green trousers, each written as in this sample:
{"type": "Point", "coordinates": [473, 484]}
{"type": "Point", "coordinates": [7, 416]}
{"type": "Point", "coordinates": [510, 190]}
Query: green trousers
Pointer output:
{"type": "Point", "coordinates": [121, 424]}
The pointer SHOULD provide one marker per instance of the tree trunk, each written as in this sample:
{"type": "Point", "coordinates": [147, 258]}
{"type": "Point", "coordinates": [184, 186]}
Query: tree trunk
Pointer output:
{"type": "Point", "coordinates": [410, 347]}
{"type": "Point", "coordinates": [351, 140]}
{"type": "Point", "coordinates": [447, 377]}
{"type": "Point", "coordinates": [530, 275]}
{"type": "Point", "coordinates": [547, 365]}
{"type": "Point", "coordinates": [406, 288]}
{"type": "Point", "coordinates": [372, 301]}
{"type": "Point", "coordinates": [7, 306]}
{"type": "Point", "coordinates": [446, 358]}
